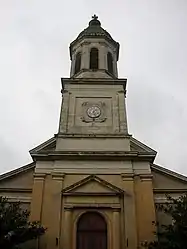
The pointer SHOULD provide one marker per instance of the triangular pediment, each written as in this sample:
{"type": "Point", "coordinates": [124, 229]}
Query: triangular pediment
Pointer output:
{"type": "Point", "coordinates": [92, 185]}
{"type": "Point", "coordinates": [20, 178]}
{"type": "Point", "coordinates": [165, 179]}
{"type": "Point", "coordinates": [136, 145]}
{"type": "Point", "coordinates": [47, 146]}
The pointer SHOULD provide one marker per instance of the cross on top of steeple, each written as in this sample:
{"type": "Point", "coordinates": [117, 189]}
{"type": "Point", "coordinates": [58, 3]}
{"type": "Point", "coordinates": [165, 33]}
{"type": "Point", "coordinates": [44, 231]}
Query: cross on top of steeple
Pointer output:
{"type": "Point", "coordinates": [94, 17]}
{"type": "Point", "coordinates": [94, 21]}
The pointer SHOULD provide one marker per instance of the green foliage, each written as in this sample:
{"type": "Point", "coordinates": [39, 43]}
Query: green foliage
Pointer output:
{"type": "Point", "coordinates": [15, 227]}
{"type": "Point", "coordinates": [174, 235]}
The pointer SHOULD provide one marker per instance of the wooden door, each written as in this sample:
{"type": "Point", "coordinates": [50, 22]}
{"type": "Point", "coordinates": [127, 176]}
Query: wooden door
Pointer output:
{"type": "Point", "coordinates": [91, 231]}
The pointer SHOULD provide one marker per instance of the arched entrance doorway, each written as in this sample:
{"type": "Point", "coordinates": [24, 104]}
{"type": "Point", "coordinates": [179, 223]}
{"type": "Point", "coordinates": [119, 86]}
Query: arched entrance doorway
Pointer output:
{"type": "Point", "coordinates": [91, 231]}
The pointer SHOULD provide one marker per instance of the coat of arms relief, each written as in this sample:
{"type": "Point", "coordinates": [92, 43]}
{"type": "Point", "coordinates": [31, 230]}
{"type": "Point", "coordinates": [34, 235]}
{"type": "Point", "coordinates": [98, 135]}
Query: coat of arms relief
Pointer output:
{"type": "Point", "coordinates": [93, 112]}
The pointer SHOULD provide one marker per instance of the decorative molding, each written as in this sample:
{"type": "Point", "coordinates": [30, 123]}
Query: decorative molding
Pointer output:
{"type": "Point", "coordinates": [68, 208]}
{"type": "Point", "coordinates": [58, 176]}
{"type": "Point", "coordinates": [114, 209]}
{"type": "Point", "coordinates": [103, 43]}
{"type": "Point", "coordinates": [64, 91]}
{"type": "Point", "coordinates": [143, 147]}
{"type": "Point", "coordinates": [92, 205]}
{"type": "Point", "coordinates": [90, 81]}
{"type": "Point", "coordinates": [122, 91]}
{"type": "Point", "coordinates": [169, 190]}
{"type": "Point", "coordinates": [113, 155]}
{"type": "Point", "coordinates": [85, 43]}
{"type": "Point", "coordinates": [16, 190]}
{"type": "Point", "coordinates": [127, 176]}
{"type": "Point", "coordinates": [88, 104]}
{"type": "Point", "coordinates": [109, 135]}
{"type": "Point", "coordinates": [91, 194]}
{"type": "Point", "coordinates": [70, 189]}
{"type": "Point", "coordinates": [146, 177]}
{"type": "Point", "coordinates": [39, 176]}
{"type": "Point", "coordinates": [43, 145]}
{"type": "Point", "coordinates": [163, 199]}
{"type": "Point", "coordinates": [23, 199]}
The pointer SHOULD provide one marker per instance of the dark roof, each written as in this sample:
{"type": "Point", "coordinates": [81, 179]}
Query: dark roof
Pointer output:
{"type": "Point", "coordinates": [94, 30]}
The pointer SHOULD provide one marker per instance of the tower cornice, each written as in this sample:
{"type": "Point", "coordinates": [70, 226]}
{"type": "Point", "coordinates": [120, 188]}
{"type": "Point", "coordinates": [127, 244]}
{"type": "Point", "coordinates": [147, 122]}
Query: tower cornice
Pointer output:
{"type": "Point", "coordinates": [95, 155]}
{"type": "Point", "coordinates": [93, 81]}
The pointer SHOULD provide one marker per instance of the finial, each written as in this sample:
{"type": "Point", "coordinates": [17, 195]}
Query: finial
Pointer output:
{"type": "Point", "coordinates": [94, 21]}
{"type": "Point", "coordinates": [94, 17]}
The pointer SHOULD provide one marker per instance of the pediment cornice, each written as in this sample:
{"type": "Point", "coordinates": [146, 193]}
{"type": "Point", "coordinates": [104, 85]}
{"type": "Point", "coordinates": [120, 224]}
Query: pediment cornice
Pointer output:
{"type": "Point", "coordinates": [74, 188]}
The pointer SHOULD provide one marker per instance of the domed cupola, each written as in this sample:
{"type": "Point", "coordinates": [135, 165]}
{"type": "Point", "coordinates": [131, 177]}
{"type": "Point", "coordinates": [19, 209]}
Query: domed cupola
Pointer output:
{"type": "Point", "coordinates": [94, 53]}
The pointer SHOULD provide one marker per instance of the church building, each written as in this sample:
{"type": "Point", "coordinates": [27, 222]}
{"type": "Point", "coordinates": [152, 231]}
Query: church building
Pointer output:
{"type": "Point", "coordinates": [93, 185]}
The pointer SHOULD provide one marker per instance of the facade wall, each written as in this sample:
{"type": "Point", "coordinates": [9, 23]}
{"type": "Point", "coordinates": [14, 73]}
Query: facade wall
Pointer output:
{"type": "Point", "coordinates": [125, 215]}
{"type": "Point", "coordinates": [18, 187]}
{"type": "Point", "coordinates": [129, 217]}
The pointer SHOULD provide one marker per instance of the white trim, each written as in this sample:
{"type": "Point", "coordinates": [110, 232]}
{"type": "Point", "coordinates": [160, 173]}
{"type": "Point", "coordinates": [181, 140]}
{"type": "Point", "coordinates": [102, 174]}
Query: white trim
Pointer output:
{"type": "Point", "coordinates": [168, 172]}
{"type": "Point", "coordinates": [142, 145]}
{"type": "Point", "coordinates": [163, 199]}
{"type": "Point", "coordinates": [23, 199]}
{"type": "Point", "coordinates": [43, 145]}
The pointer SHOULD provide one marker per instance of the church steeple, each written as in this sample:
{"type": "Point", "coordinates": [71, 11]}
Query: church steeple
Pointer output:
{"type": "Point", "coordinates": [93, 113]}
{"type": "Point", "coordinates": [94, 53]}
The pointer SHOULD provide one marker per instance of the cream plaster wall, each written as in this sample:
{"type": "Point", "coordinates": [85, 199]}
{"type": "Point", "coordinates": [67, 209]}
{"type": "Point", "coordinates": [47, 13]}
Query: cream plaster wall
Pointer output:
{"type": "Point", "coordinates": [162, 181]}
{"type": "Point", "coordinates": [23, 180]}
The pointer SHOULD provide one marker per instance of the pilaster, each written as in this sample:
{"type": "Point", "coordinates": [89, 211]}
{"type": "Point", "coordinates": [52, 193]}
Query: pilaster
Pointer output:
{"type": "Point", "coordinates": [56, 210]}
{"type": "Point", "coordinates": [37, 199]}
{"type": "Point", "coordinates": [64, 112]}
{"type": "Point", "coordinates": [145, 208]}
{"type": "Point", "coordinates": [122, 112]}
{"type": "Point", "coordinates": [67, 229]}
{"type": "Point", "coordinates": [37, 196]}
{"type": "Point", "coordinates": [85, 56]}
{"type": "Point", "coordinates": [72, 65]}
{"type": "Point", "coordinates": [102, 56]}
{"type": "Point", "coordinates": [130, 211]}
{"type": "Point", "coordinates": [116, 229]}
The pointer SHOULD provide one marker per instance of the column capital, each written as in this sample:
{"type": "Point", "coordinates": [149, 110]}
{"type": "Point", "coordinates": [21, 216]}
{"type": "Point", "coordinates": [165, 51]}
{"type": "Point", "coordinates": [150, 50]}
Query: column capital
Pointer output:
{"type": "Point", "coordinates": [116, 229]}
{"type": "Point", "coordinates": [39, 176]}
{"type": "Point", "coordinates": [67, 231]}
{"type": "Point", "coordinates": [68, 207]}
{"type": "Point", "coordinates": [127, 176]}
{"type": "Point", "coordinates": [58, 176]}
{"type": "Point", "coordinates": [115, 210]}
{"type": "Point", "coordinates": [146, 177]}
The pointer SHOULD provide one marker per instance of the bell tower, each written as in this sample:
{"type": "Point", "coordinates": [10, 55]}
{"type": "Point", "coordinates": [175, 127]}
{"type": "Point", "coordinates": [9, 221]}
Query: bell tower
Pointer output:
{"type": "Point", "coordinates": [94, 54]}
{"type": "Point", "coordinates": [93, 112]}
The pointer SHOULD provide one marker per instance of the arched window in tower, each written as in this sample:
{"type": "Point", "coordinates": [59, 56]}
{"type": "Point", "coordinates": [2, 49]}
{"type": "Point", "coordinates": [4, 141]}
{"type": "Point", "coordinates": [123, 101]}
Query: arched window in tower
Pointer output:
{"type": "Point", "coordinates": [110, 63]}
{"type": "Point", "coordinates": [94, 60]}
{"type": "Point", "coordinates": [78, 63]}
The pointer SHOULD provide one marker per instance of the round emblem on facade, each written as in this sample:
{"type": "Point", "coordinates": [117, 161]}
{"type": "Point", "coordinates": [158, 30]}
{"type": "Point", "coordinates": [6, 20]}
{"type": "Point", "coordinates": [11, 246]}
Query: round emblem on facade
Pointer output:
{"type": "Point", "coordinates": [94, 112]}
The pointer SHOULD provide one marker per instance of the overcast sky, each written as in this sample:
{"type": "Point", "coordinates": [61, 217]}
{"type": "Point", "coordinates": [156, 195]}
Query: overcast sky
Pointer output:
{"type": "Point", "coordinates": [34, 55]}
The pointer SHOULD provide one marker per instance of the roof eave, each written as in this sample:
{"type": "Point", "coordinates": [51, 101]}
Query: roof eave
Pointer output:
{"type": "Point", "coordinates": [168, 172]}
{"type": "Point", "coordinates": [79, 155]}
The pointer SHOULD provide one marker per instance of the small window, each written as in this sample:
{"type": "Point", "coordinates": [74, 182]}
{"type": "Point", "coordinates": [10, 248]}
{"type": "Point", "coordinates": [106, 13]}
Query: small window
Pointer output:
{"type": "Point", "coordinates": [110, 63]}
{"type": "Point", "coordinates": [94, 58]}
{"type": "Point", "coordinates": [78, 63]}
